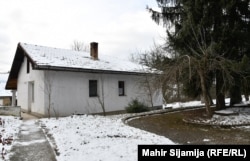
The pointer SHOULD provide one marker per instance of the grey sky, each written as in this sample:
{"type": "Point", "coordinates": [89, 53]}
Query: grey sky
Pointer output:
{"type": "Point", "coordinates": [120, 27]}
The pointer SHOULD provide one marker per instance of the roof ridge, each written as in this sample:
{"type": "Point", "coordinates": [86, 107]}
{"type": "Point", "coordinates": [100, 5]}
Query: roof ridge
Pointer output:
{"type": "Point", "coordinates": [45, 46]}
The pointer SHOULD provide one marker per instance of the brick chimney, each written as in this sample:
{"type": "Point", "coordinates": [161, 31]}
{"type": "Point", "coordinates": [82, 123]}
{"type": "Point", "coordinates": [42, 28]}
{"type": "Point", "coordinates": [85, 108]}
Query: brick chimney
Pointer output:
{"type": "Point", "coordinates": [94, 50]}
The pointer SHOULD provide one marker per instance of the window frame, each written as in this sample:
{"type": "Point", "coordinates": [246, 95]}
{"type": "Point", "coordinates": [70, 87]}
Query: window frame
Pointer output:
{"type": "Point", "coordinates": [93, 88]}
{"type": "Point", "coordinates": [121, 88]}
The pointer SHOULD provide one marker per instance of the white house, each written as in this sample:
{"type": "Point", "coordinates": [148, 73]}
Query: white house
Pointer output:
{"type": "Point", "coordinates": [52, 81]}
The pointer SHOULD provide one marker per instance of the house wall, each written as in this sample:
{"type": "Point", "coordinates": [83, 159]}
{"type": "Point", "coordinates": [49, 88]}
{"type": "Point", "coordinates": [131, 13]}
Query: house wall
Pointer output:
{"type": "Point", "coordinates": [70, 92]}
{"type": "Point", "coordinates": [24, 89]}
{"type": "Point", "coordinates": [65, 93]}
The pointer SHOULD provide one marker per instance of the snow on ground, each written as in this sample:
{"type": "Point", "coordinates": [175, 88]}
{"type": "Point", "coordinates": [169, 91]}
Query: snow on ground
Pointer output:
{"type": "Point", "coordinates": [93, 137]}
{"type": "Point", "coordinates": [9, 128]}
{"type": "Point", "coordinates": [182, 104]}
{"type": "Point", "coordinates": [192, 104]}
{"type": "Point", "coordinates": [228, 117]}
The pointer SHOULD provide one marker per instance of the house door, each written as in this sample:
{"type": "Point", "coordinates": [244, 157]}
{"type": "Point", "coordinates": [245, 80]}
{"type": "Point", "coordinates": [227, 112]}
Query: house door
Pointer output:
{"type": "Point", "coordinates": [30, 95]}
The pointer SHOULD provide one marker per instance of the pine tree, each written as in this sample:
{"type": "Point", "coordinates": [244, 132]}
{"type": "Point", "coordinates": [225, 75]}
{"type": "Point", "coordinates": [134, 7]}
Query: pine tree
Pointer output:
{"type": "Point", "coordinates": [212, 32]}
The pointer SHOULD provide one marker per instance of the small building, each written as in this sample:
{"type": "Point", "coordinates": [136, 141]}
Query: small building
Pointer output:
{"type": "Point", "coordinates": [5, 95]}
{"type": "Point", "coordinates": [60, 82]}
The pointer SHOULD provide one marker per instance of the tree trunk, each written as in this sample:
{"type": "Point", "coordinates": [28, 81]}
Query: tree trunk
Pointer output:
{"type": "Point", "coordinates": [101, 98]}
{"type": "Point", "coordinates": [247, 97]}
{"type": "Point", "coordinates": [205, 93]}
{"type": "Point", "coordinates": [220, 96]}
{"type": "Point", "coordinates": [235, 91]}
{"type": "Point", "coordinates": [210, 98]}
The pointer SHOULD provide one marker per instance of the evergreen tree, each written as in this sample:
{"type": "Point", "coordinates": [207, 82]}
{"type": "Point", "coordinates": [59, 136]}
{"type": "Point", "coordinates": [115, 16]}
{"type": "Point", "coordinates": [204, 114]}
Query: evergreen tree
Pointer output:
{"type": "Point", "coordinates": [210, 31]}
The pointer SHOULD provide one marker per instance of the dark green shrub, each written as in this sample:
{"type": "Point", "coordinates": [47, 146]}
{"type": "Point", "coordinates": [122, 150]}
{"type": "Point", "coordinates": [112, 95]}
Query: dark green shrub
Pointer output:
{"type": "Point", "coordinates": [136, 107]}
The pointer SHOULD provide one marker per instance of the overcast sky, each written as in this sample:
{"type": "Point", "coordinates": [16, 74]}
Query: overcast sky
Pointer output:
{"type": "Point", "coordinates": [120, 27]}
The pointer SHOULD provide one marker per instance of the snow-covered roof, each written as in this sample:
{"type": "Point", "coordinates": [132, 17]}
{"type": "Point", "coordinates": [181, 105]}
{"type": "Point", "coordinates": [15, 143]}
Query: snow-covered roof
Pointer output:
{"type": "Point", "coordinates": [3, 80]}
{"type": "Point", "coordinates": [49, 58]}
{"type": "Point", "coordinates": [55, 57]}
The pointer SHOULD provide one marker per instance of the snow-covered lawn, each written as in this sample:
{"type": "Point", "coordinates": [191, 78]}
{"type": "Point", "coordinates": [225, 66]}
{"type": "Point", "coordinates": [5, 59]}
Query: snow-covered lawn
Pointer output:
{"type": "Point", "coordinates": [107, 138]}
{"type": "Point", "coordinates": [93, 137]}
{"type": "Point", "coordinates": [97, 138]}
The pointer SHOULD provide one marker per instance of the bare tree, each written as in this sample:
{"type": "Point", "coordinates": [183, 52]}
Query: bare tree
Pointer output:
{"type": "Point", "coordinates": [47, 88]}
{"type": "Point", "coordinates": [150, 89]}
{"type": "Point", "coordinates": [101, 97]}
{"type": "Point", "coordinates": [157, 58]}
{"type": "Point", "coordinates": [149, 85]}
{"type": "Point", "coordinates": [80, 46]}
{"type": "Point", "coordinates": [202, 60]}
{"type": "Point", "coordinates": [199, 60]}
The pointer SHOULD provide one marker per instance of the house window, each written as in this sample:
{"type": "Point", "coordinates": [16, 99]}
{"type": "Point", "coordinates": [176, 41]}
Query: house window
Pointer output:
{"type": "Point", "coordinates": [92, 88]}
{"type": "Point", "coordinates": [121, 88]}
{"type": "Point", "coordinates": [28, 66]}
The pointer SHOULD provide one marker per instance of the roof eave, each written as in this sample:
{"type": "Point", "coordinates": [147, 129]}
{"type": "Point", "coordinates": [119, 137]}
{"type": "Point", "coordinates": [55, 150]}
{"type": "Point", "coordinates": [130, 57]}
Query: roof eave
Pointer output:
{"type": "Point", "coordinates": [11, 83]}
{"type": "Point", "coordinates": [69, 69]}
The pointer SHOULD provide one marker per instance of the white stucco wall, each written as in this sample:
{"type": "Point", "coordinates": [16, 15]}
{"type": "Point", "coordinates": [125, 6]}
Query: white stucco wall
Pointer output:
{"type": "Point", "coordinates": [23, 90]}
{"type": "Point", "coordinates": [70, 92]}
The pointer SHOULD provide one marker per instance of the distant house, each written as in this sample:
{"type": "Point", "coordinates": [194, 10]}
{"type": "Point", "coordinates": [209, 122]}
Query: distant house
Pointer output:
{"type": "Point", "coordinates": [52, 81]}
{"type": "Point", "coordinates": [5, 95]}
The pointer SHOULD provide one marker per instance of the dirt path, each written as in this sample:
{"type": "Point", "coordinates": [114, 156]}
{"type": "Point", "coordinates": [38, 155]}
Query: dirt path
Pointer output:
{"type": "Point", "coordinates": [171, 126]}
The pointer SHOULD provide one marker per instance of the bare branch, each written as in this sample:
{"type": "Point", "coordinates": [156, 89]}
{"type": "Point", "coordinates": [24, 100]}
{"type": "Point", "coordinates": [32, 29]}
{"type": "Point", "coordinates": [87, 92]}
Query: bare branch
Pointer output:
{"type": "Point", "coordinates": [80, 46]}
